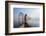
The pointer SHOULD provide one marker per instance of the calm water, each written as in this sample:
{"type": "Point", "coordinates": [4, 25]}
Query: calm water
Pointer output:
{"type": "Point", "coordinates": [33, 22]}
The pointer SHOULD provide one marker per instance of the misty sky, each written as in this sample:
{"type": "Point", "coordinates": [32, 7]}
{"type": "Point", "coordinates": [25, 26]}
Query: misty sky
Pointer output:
{"type": "Point", "coordinates": [32, 12]}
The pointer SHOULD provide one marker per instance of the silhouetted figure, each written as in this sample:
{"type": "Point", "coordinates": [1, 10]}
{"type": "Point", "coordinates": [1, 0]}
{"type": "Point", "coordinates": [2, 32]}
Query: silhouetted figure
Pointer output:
{"type": "Point", "coordinates": [26, 25]}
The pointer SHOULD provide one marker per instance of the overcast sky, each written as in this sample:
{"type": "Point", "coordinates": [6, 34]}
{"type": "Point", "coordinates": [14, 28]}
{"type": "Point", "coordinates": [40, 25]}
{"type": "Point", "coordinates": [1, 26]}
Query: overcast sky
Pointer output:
{"type": "Point", "coordinates": [32, 12]}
